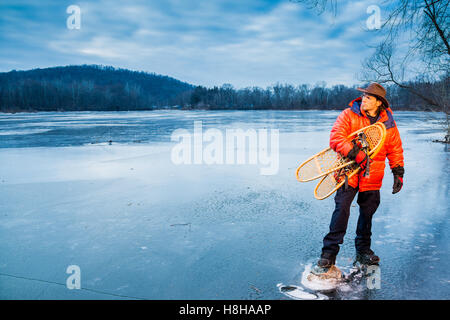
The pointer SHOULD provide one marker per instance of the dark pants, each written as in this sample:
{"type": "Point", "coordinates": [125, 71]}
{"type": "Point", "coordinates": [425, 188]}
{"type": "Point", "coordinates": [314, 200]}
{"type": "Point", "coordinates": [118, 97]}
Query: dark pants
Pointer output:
{"type": "Point", "coordinates": [368, 203]}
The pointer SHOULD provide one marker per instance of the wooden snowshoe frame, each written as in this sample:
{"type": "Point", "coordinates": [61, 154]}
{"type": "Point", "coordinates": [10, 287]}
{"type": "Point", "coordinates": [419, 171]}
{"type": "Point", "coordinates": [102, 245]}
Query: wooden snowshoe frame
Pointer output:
{"type": "Point", "coordinates": [331, 182]}
{"type": "Point", "coordinates": [328, 160]}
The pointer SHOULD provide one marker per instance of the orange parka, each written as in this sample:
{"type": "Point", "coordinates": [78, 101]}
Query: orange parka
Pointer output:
{"type": "Point", "coordinates": [354, 118]}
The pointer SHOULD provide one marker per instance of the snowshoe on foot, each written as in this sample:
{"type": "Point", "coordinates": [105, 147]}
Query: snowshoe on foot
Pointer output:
{"type": "Point", "coordinates": [332, 272]}
{"type": "Point", "coordinates": [323, 265]}
{"type": "Point", "coordinates": [324, 276]}
{"type": "Point", "coordinates": [321, 280]}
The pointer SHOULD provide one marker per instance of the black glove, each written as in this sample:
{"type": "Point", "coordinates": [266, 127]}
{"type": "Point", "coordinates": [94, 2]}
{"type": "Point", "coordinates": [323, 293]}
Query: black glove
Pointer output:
{"type": "Point", "coordinates": [354, 151]}
{"type": "Point", "coordinates": [398, 179]}
{"type": "Point", "coordinates": [360, 157]}
{"type": "Point", "coordinates": [398, 184]}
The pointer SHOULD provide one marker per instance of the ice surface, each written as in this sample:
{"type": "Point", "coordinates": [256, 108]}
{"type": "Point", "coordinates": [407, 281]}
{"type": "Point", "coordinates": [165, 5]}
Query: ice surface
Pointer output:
{"type": "Point", "coordinates": [104, 195]}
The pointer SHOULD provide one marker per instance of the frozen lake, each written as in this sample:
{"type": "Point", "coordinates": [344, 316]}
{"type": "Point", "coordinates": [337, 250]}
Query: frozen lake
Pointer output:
{"type": "Point", "coordinates": [101, 191]}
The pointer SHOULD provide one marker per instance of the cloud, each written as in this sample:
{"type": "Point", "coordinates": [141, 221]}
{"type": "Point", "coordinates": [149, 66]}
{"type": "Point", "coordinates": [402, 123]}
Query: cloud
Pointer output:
{"type": "Point", "coordinates": [251, 43]}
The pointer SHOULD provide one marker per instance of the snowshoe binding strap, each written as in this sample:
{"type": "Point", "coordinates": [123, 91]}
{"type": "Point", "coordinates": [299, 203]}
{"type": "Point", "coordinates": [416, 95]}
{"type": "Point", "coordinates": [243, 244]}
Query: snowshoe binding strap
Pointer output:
{"type": "Point", "coordinates": [365, 147]}
{"type": "Point", "coordinates": [367, 170]}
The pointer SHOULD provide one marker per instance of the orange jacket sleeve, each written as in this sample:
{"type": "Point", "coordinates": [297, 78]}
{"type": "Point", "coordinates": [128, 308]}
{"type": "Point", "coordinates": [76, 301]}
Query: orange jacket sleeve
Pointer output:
{"type": "Point", "coordinates": [339, 133]}
{"type": "Point", "coordinates": [394, 149]}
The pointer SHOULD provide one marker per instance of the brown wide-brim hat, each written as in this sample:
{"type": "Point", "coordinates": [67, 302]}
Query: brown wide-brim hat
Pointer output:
{"type": "Point", "coordinates": [376, 90]}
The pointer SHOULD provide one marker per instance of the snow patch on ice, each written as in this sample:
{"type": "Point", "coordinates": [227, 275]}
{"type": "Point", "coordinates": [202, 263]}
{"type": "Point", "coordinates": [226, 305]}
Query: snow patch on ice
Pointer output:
{"type": "Point", "coordinates": [298, 293]}
{"type": "Point", "coordinates": [22, 132]}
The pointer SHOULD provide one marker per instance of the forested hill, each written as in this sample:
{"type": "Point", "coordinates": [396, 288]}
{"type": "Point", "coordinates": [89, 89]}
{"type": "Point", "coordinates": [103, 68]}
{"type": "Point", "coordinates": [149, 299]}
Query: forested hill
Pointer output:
{"type": "Point", "coordinates": [100, 88]}
{"type": "Point", "coordinates": [87, 87]}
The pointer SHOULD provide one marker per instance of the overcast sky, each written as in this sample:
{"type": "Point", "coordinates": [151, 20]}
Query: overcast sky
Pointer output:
{"type": "Point", "coordinates": [204, 42]}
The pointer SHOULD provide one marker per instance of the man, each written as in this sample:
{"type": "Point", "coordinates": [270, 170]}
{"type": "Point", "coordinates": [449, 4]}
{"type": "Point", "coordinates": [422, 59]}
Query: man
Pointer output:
{"type": "Point", "coordinates": [370, 108]}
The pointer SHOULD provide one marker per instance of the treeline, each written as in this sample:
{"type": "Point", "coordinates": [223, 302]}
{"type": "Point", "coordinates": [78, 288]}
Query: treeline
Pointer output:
{"type": "Point", "coordinates": [279, 96]}
{"type": "Point", "coordinates": [289, 97]}
{"type": "Point", "coordinates": [86, 87]}
{"type": "Point", "coordinates": [100, 88]}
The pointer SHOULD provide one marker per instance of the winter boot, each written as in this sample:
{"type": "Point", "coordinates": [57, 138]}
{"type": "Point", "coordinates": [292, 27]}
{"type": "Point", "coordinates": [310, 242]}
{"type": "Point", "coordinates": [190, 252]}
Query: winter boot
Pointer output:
{"type": "Point", "coordinates": [367, 258]}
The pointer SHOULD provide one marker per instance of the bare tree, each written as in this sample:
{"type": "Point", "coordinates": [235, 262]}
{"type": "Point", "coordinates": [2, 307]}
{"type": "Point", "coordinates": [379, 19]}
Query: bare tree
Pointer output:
{"type": "Point", "coordinates": [415, 51]}
{"type": "Point", "coordinates": [424, 25]}
{"type": "Point", "coordinates": [320, 5]}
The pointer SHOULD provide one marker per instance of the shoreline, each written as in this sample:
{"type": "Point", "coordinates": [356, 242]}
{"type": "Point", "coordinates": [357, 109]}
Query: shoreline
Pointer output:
{"type": "Point", "coordinates": [203, 109]}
